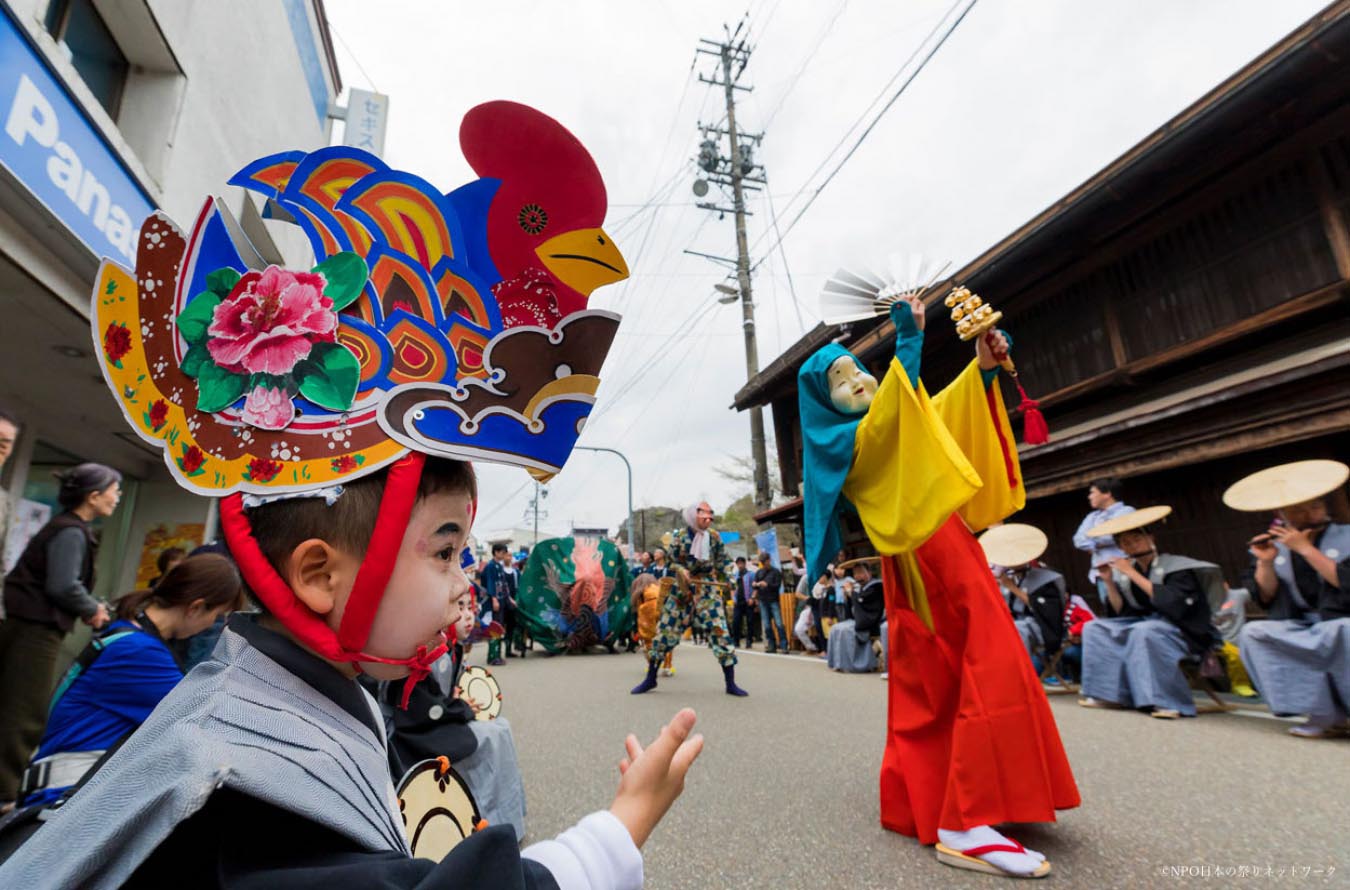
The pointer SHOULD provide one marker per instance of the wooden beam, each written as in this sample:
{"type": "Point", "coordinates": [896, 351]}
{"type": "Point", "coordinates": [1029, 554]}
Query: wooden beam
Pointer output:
{"type": "Point", "coordinates": [1299, 306]}
{"type": "Point", "coordinates": [1333, 220]}
{"type": "Point", "coordinates": [1118, 355]}
{"type": "Point", "coordinates": [1148, 222]}
{"type": "Point", "coordinates": [1277, 434]}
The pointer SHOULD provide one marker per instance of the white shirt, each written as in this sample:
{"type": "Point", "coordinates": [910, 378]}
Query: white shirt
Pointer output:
{"type": "Point", "coordinates": [1100, 550]}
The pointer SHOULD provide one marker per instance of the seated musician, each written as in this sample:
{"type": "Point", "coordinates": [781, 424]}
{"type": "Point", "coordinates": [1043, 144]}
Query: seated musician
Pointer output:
{"type": "Point", "coordinates": [1299, 659]}
{"type": "Point", "coordinates": [850, 648]}
{"type": "Point", "coordinates": [1157, 613]}
{"type": "Point", "coordinates": [1035, 594]}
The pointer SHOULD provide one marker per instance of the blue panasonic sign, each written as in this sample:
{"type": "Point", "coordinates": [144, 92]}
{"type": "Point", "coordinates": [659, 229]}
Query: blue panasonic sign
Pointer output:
{"type": "Point", "coordinates": [49, 147]}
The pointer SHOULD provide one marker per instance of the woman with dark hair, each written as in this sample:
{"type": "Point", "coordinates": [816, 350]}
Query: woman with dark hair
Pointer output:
{"type": "Point", "coordinates": [44, 594]}
{"type": "Point", "coordinates": [123, 673]}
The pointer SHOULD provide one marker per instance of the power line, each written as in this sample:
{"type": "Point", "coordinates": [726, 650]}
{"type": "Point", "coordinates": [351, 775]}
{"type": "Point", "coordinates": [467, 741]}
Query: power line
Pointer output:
{"type": "Point", "coordinates": [792, 288]}
{"type": "Point", "coordinates": [970, 4]}
{"type": "Point", "coordinates": [806, 62]}
{"type": "Point", "coordinates": [355, 58]}
{"type": "Point", "coordinates": [502, 504]}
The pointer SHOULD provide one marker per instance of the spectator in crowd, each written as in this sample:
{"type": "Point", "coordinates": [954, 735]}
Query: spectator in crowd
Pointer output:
{"type": "Point", "coordinates": [1104, 496]}
{"type": "Point", "coordinates": [47, 591]}
{"type": "Point", "coordinates": [742, 579]}
{"type": "Point", "coordinates": [660, 565]}
{"type": "Point", "coordinates": [844, 587]}
{"type": "Point", "coordinates": [1158, 608]}
{"type": "Point", "coordinates": [805, 625]}
{"type": "Point", "coordinates": [167, 559]}
{"type": "Point", "coordinates": [9, 434]}
{"type": "Point", "coordinates": [195, 649]}
{"type": "Point", "coordinates": [768, 585]}
{"type": "Point", "coordinates": [1077, 614]}
{"type": "Point", "coordinates": [499, 586]}
{"type": "Point", "coordinates": [641, 564]}
{"type": "Point", "coordinates": [1035, 594]}
{"type": "Point", "coordinates": [1299, 658]}
{"type": "Point", "coordinates": [822, 601]}
{"type": "Point", "coordinates": [850, 648]}
{"type": "Point", "coordinates": [123, 673]}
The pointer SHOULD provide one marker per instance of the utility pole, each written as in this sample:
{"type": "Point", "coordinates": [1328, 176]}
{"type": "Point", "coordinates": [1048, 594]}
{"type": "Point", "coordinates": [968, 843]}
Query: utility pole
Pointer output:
{"type": "Point", "coordinates": [534, 505]}
{"type": "Point", "coordinates": [740, 173]}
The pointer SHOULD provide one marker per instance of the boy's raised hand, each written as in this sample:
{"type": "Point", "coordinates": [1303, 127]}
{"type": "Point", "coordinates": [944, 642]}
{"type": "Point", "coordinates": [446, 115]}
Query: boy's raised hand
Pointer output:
{"type": "Point", "coordinates": [654, 777]}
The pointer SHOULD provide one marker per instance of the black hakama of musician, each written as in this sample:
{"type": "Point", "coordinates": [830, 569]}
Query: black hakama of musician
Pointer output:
{"type": "Point", "coordinates": [1040, 621]}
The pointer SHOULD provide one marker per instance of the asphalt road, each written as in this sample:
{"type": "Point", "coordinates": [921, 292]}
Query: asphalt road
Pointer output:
{"type": "Point", "coordinates": [785, 793]}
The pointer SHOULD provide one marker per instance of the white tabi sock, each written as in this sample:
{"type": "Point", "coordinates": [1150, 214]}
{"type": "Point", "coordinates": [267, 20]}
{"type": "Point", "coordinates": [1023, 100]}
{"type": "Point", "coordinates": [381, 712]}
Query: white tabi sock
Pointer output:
{"type": "Point", "coordinates": [983, 835]}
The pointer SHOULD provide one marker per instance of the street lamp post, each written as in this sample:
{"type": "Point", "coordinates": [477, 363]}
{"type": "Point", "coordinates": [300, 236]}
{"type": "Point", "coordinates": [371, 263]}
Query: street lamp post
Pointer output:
{"type": "Point", "coordinates": [630, 484]}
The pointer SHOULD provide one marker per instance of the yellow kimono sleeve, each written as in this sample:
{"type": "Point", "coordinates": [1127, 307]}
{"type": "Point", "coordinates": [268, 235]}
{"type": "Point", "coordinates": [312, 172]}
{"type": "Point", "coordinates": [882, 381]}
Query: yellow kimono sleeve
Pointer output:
{"type": "Point", "coordinates": [985, 437]}
{"type": "Point", "coordinates": [908, 474]}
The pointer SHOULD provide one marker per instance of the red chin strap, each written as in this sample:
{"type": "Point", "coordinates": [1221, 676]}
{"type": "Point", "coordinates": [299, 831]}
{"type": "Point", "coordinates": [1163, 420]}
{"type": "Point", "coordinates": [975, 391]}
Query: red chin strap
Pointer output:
{"type": "Point", "coordinates": [310, 628]}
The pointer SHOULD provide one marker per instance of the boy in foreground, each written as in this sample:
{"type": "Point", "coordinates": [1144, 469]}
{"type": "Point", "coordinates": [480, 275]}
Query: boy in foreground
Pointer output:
{"type": "Point", "coordinates": [266, 766]}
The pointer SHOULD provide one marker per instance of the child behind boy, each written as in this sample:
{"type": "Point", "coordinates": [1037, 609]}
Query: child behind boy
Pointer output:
{"type": "Point", "coordinates": [266, 766]}
{"type": "Point", "coordinates": [437, 723]}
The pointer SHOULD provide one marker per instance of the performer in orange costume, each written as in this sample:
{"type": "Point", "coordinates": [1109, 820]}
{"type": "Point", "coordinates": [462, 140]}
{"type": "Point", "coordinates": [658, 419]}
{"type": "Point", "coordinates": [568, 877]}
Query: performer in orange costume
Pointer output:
{"type": "Point", "coordinates": [971, 740]}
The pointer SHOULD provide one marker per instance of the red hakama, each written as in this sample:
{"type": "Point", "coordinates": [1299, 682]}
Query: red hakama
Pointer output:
{"type": "Point", "coordinates": [970, 737]}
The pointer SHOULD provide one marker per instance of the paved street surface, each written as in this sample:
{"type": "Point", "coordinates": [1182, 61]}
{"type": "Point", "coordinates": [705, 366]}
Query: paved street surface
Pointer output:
{"type": "Point", "coordinates": [785, 794]}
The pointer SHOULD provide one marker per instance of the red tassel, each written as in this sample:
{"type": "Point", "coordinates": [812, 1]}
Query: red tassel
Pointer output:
{"type": "Point", "coordinates": [1035, 431]}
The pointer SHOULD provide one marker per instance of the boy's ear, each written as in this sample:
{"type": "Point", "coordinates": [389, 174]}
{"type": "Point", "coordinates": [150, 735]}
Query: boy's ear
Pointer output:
{"type": "Point", "coordinates": [315, 574]}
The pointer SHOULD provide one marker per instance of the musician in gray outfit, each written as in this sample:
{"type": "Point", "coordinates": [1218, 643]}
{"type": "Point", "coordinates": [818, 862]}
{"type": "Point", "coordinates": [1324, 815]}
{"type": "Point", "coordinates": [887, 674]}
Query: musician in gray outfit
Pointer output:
{"type": "Point", "coordinates": [1157, 614]}
{"type": "Point", "coordinates": [1299, 659]}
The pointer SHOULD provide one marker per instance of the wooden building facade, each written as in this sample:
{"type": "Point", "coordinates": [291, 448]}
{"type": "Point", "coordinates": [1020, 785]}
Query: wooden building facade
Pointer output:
{"type": "Point", "coordinates": [1183, 316]}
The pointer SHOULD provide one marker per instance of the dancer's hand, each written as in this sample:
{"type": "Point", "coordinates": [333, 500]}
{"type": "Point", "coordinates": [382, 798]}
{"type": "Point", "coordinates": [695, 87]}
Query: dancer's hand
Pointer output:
{"type": "Point", "coordinates": [916, 309]}
{"type": "Point", "coordinates": [991, 348]}
{"type": "Point", "coordinates": [654, 777]}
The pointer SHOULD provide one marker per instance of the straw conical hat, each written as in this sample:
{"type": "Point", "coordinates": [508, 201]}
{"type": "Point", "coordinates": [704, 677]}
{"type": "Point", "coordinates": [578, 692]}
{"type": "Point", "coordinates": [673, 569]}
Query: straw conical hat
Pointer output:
{"type": "Point", "coordinates": [1129, 522]}
{"type": "Point", "coordinates": [1013, 544]}
{"type": "Point", "coordinates": [1286, 485]}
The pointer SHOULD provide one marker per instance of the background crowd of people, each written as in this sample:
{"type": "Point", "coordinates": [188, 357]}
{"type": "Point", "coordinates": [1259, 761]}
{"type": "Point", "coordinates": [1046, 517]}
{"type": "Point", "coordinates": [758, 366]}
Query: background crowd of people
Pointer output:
{"type": "Point", "coordinates": [1148, 631]}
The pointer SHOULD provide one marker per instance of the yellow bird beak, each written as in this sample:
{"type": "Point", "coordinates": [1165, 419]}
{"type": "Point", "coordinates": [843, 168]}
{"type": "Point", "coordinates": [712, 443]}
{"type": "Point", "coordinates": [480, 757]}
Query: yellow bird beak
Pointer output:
{"type": "Point", "coordinates": [583, 259]}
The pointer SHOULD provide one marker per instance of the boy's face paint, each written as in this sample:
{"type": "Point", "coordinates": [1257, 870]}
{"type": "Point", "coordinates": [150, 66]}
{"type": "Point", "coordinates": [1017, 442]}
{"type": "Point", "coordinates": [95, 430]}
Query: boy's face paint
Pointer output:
{"type": "Point", "coordinates": [427, 582]}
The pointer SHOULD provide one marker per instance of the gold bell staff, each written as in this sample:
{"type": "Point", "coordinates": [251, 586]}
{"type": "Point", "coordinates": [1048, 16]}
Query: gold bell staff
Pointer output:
{"type": "Point", "coordinates": [974, 317]}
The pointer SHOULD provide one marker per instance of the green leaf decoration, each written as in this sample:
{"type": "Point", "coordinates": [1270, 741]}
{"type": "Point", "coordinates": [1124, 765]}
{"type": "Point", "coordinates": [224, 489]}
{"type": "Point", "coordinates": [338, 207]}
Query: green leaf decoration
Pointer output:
{"type": "Point", "coordinates": [196, 318]}
{"type": "Point", "coordinates": [345, 274]}
{"type": "Point", "coordinates": [217, 388]}
{"type": "Point", "coordinates": [197, 356]}
{"type": "Point", "coordinates": [271, 381]}
{"type": "Point", "coordinates": [222, 281]}
{"type": "Point", "coordinates": [329, 377]}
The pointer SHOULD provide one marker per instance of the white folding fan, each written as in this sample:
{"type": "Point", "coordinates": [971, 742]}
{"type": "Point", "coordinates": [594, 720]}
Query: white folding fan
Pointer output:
{"type": "Point", "coordinates": [860, 293]}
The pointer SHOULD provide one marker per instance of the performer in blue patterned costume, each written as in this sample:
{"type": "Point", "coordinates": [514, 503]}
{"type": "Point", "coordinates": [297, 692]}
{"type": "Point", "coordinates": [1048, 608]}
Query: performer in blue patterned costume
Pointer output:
{"type": "Point", "coordinates": [697, 554]}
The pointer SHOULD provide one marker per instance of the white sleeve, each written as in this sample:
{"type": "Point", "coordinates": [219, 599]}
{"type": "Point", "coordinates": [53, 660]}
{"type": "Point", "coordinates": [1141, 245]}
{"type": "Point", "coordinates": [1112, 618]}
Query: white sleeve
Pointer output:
{"type": "Point", "coordinates": [595, 854]}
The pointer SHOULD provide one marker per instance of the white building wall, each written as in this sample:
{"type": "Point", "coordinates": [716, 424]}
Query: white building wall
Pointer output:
{"type": "Point", "coordinates": [214, 85]}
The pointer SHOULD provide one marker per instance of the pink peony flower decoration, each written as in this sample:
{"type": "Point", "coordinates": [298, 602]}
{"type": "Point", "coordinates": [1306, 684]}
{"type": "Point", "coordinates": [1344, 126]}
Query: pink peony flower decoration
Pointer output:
{"type": "Point", "coordinates": [270, 322]}
{"type": "Point", "coordinates": [268, 408]}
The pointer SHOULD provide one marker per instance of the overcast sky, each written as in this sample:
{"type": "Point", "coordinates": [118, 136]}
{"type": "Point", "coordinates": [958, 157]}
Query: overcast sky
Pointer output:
{"type": "Point", "coordinates": [1026, 100]}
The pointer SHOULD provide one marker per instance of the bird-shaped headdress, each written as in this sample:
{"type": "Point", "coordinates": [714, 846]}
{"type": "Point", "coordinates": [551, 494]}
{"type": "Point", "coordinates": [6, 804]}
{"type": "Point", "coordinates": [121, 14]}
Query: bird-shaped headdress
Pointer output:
{"type": "Point", "coordinates": [447, 324]}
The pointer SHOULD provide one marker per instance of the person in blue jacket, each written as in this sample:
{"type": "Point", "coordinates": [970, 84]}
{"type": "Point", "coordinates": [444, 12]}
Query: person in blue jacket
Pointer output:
{"type": "Point", "coordinates": [126, 670]}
